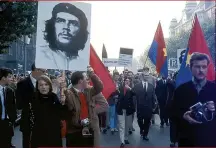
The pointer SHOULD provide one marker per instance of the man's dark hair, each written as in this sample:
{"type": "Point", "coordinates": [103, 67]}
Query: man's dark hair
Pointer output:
{"type": "Point", "coordinates": [76, 76]}
{"type": "Point", "coordinates": [52, 77]}
{"type": "Point", "coordinates": [196, 56]}
{"type": "Point", "coordinates": [128, 79]}
{"type": "Point", "coordinates": [145, 69]}
{"type": "Point", "coordinates": [115, 73]}
{"type": "Point", "coordinates": [78, 41]}
{"type": "Point", "coordinates": [33, 67]}
{"type": "Point", "coordinates": [4, 72]}
{"type": "Point", "coordinates": [140, 70]}
{"type": "Point", "coordinates": [181, 56]}
{"type": "Point", "coordinates": [136, 77]}
{"type": "Point", "coordinates": [130, 72]}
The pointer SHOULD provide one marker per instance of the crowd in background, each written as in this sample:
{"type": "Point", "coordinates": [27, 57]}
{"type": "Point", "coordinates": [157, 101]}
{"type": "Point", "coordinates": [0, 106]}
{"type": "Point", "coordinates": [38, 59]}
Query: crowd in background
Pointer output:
{"type": "Point", "coordinates": [112, 120]}
{"type": "Point", "coordinates": [48, 99]}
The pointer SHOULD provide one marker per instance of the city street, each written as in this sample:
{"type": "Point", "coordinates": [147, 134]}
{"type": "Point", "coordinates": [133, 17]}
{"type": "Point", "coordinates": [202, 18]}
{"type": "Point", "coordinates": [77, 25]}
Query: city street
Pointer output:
{"type": "Point", "coordinates": [157, 136]}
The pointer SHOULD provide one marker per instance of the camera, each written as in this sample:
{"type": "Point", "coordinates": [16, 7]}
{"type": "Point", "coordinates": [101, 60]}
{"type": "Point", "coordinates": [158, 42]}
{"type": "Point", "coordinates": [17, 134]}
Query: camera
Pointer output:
{"type": "Point", "coordinates": [85, 122]}
{"type": "Point", "coordinates": [201, 113]}
{"type": "Point", "coordinates": [86, 131]}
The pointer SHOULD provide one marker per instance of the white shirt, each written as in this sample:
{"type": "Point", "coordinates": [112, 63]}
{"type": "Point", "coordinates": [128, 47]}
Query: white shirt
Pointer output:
{"type": "Point", "coordinates": [145, 84]}
{"type": "Point", "coordinates": [70, 86]}
{"type": "Point", "coordinates": [33, 80]}
{"type": "Point", "coordinates": [3, 102]}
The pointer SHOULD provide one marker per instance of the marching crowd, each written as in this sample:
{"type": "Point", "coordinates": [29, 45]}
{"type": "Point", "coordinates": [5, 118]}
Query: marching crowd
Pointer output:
{"type": "Point", "coordinates": [76, 97]}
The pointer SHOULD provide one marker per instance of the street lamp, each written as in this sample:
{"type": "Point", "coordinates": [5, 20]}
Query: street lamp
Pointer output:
{"type": "Point", "coordinates": [26, 42]}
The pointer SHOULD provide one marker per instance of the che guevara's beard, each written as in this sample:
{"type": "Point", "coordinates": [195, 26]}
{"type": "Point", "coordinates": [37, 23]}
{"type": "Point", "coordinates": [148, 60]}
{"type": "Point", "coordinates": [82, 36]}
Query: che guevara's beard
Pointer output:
{"type": "Point", "coordinates": [67, 48]}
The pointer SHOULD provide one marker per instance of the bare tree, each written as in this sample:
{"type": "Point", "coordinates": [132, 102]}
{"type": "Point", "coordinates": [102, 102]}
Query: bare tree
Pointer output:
{"type": "Point", "coordinates": [145, 61]}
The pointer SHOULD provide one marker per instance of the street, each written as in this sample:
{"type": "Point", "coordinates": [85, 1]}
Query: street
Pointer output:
{"type": "Point", "coordinates": [157, 136]}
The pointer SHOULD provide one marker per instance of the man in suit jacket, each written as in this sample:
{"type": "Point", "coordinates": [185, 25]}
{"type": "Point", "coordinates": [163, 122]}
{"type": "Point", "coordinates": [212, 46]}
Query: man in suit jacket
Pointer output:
{"type": "Point", "coordinates": [172, 121]}
{"type": "Point", "coordinates": [146, 101]}
{"type": "Point", "coordinates": [150, 78]}
{"type": "Point", "coordinates": [7, 108]}
{"type": "Point", "coordinates": [12, 85]}
{"type": "Point", "coordinates": [162, 96]}
{"type": "Point", "coordinates": [24, 93]}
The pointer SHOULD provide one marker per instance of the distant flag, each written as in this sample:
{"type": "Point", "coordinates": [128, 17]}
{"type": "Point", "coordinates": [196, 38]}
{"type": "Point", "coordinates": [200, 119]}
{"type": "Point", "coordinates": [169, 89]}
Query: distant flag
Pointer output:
{"type": "Point", "coordinates": [102, 73]}
{"type": "Point", "coordinates": [196, 43]}
{"type": "Point", "coordinates": [158, 53]}
{"type": "Point", "coordinates": [104, 52]}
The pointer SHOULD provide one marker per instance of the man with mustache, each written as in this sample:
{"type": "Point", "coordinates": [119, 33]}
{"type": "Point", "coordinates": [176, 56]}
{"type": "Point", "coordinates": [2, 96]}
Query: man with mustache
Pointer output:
{"type": "Point", "coordinates": [193, 133]}
{"type": "Point", "coordinates": [66, 33]}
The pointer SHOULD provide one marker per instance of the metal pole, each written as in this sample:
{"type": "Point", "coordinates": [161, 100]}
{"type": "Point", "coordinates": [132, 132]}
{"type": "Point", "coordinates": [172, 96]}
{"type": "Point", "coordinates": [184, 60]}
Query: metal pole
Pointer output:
{"type": "Point", "coordinates": [25, 57]}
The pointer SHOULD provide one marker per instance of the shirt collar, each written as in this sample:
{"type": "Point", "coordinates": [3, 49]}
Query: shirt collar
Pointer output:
{"type": "Point", "coordinates": [77, 90]}
{"type": "Point", "coordinates": [33, 79]}
{"type": "Point", "coordinates": [202, 83]}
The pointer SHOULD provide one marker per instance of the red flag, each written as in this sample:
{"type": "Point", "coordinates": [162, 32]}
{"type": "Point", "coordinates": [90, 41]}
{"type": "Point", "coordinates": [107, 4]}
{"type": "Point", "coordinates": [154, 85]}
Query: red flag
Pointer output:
{"type": "Point", "coordinates": [102, 72]}
{"type": "Point", "coordinates": [197, 43]}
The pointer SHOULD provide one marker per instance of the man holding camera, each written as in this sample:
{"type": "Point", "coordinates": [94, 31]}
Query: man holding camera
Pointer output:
{"type": "Point", "coordinates": [81, 107]}
{"type": "Point", "coordinates": [194, 106]}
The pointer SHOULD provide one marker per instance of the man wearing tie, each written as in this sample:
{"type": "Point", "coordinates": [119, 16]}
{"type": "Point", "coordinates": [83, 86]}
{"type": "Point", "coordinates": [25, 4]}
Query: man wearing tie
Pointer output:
{"type": "Point", "coordinates": [8, 113]}
{"type": "Point", "coordinates": [146, 103]}
{"type": "Point", "coordinates": [162, 96]}
{"type": "Point", "coordinates": [24, 93]}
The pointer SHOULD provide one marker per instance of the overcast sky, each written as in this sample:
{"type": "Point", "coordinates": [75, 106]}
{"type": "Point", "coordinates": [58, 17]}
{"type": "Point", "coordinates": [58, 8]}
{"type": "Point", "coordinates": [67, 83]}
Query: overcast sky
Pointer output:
{"type": "Point", "coordinates": [130, 23]}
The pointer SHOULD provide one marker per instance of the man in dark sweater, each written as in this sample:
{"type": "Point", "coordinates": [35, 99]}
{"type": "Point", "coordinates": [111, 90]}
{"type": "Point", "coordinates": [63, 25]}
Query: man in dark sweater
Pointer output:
{"type": "Point", "coordinates": [193, 133]}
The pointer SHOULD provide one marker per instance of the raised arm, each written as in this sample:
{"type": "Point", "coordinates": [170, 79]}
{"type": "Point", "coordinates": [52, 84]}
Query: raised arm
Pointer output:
{"type": "Point", "coordinates": [97, 84]}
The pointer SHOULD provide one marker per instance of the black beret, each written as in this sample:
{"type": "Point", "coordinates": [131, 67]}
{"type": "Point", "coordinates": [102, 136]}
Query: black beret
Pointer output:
{"type": "Point", "coordinates": [69, 8]}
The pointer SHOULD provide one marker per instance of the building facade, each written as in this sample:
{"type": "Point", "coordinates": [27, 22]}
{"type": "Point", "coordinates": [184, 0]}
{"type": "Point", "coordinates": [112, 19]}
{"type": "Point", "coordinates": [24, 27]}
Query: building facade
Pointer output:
{"type": "Point", "coordinates": [203, 9]}
{"type": "Point", "coordinates": [15, 57]}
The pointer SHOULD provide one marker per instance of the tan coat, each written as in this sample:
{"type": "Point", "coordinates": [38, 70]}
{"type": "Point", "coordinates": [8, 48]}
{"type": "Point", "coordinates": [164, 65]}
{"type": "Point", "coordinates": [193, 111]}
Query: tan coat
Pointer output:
{"type": "Point", "coordinates": [101, 106]}
{"type": "Point", "coordinates": [96, 104]}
